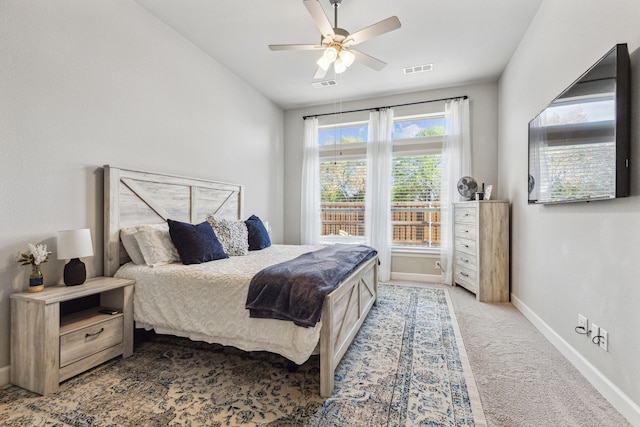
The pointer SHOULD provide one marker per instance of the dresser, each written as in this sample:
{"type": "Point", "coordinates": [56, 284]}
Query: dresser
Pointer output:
{"type": "Point", "coordinates": [481, 248]}
{"type": "Point", "coordinates": [65, 330]}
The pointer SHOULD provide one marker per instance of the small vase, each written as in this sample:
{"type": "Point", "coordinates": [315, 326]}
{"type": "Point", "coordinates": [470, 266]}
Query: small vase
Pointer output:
{"type": "Point", "coordinates": [35, 279]}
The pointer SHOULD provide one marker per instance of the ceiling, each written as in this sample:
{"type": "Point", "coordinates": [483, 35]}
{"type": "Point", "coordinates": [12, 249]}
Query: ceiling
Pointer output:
{"type": "Point", "coordinates": [467, 41]}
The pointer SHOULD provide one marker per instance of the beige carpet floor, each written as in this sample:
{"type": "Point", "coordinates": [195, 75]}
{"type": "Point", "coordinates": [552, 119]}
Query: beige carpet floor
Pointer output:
{"type": "Point", "coordinates": [522, 379]}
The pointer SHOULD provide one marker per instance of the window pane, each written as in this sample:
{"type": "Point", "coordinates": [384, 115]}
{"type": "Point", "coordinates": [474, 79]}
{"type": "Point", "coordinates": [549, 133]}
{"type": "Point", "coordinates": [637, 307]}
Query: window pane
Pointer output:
{"type": "Point", "coordinates": [417, 128]}
{"type": "Point", "coordinates": [415, 200]}
{"type": "Point", "coordinates": [342, 192]}
{"type": "Point", "coordinates": [343, 134]}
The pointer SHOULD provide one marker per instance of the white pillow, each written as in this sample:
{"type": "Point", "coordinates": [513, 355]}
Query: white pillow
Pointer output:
{"type": "Point", "coordinates": [127, 235]}
{"type": "Point", "coordinates": [233, 235]}
{"type": "Point", "coordinates": [156, 245]}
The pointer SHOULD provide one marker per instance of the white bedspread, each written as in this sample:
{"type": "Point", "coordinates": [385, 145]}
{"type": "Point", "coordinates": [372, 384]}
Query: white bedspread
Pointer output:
{"type": "Point", "coordinates": [206, 302]}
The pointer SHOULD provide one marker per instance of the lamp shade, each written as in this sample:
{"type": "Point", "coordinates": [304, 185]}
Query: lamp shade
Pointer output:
{"type": "Point", "coordinates": [346, 57]}
{"type": "Point", "coordinates": [330, 54]}
{"type": "Point", "coordinates": [323, 63]}
{"type": "Point", "coordinates": [74, 244]}
{"type": "Point", "coordinates": [339, 66]}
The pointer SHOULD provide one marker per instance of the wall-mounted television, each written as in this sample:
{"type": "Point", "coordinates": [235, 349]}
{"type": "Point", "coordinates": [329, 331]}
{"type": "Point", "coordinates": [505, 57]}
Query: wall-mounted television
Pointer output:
{"type": "Point", "coordinates": [579, 145]}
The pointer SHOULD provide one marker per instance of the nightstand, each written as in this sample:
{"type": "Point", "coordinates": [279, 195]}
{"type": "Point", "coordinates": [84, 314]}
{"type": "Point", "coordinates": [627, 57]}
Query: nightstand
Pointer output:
{"type": "Point", "coordinates": [60, 332]}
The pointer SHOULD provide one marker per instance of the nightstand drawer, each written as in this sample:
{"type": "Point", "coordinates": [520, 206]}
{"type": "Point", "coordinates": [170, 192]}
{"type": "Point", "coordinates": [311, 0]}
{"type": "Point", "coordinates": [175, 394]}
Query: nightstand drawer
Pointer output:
{"type": "Point", "coordinates": [91, 339]}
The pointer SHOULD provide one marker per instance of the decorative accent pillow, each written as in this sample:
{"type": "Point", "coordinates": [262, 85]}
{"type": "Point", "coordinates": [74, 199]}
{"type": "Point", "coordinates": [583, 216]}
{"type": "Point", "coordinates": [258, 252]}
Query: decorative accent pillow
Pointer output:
{"type": "Point", "coordinates": [258, 234]}
{"type": "Point", "coordinates": [232, 234]}
{"type": "Point", "coordinates": [195, 243]}
{"type": "Point", "coordinates": [128, 238]}
{"type": "Point", "coordinates": [156, 245]}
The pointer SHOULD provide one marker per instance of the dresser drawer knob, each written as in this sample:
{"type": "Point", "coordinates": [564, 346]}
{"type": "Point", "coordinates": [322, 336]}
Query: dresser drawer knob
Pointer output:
{"type": "Point", "coordinates": [462, 273]}
{"type": "Point", "coordinates": [95, 333]}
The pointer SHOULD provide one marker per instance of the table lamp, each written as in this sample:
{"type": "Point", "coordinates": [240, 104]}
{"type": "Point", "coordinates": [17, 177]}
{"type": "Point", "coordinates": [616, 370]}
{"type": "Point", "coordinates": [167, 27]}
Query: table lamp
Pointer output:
{"type": "Point", "coordinates": [73, 244]}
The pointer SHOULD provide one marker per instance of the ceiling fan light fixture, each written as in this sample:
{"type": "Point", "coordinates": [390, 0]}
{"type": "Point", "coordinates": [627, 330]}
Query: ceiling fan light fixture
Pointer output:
{"type": "Point", "coordinates": [339, 66]}
{"type": "Point", "coordinates": [336, 42]}
{"type": "Point", "coordinates": [323, 63]}
{"type": "Point", "coordinates": [346, 57]}
{"type": "Point", "coordinates": [330, 54]}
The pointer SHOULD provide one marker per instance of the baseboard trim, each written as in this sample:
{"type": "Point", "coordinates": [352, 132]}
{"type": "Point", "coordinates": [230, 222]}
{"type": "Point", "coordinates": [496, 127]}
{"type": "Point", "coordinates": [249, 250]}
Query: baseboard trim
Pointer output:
{"type": "Point", "coordinates": [5, 375]}
{"type": "Point", "coordinates": [414, 277]}
{"type": "Point", "coordinates": [618, 399]}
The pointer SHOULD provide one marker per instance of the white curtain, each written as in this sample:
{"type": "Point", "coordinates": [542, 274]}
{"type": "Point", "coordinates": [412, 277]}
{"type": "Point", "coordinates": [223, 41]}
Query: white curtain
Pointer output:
{"type": "Point", "coordinates": [378, 192]}
{"type": "Point", "coordinates": [456, 163]}
{"type": "Point", "coordinates": [310, 221]}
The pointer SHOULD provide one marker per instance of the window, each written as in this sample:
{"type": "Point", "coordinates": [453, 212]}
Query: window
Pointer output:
{"type": "Point", "coordinates": [415, 189]}
{"type": "Point", "coordinates": [415, 180]}
{"type": "Point", "coordinates": [343, 169]}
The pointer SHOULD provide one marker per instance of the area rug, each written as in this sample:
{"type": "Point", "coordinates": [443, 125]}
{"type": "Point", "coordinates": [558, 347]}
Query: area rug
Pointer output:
{"type": "Point", "coordinates": [406, 367]}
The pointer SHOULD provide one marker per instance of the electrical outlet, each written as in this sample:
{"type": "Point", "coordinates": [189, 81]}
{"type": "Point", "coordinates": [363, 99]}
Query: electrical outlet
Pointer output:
{"type": "Point", "coordinates": [604, 340]}
{"type": "Point", "coordinates": [582, 323]}
{"type": "Point", "coordinates": [595, 331]}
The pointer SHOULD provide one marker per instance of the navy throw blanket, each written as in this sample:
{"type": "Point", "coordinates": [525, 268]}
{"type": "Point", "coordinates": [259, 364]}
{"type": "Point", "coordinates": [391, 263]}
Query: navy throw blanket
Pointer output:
{"type": "Point", "coordinates": [295, 290]}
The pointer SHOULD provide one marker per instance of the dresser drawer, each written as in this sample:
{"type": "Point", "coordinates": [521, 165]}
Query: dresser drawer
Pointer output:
{"type": "Point", "coordinates": [464, 245]}
{"type": "Point", "coordinates": [467, 278]}
{"type": "Point", "coordinates": [464, 230]}
{"type": "Point", "coordinates": [465, 260]}
{"type": "Point", "coordinates": [464, 214]}
{"type": "Point", "coordinates": [91, 339]}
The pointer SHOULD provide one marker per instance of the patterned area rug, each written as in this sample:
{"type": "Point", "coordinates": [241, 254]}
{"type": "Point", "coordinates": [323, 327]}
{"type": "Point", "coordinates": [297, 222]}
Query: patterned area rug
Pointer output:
{"type": "Point", "coordinates": [406, 367]}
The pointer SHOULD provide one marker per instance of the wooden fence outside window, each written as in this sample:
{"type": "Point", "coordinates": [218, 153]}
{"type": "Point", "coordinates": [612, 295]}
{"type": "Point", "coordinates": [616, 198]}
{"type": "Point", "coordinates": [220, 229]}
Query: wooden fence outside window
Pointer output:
{"type": "Point", "coordinates": [414, 223]}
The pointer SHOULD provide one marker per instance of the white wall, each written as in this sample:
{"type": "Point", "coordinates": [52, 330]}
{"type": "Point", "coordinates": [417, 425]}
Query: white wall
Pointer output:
{"type": "Point", "coordinates": [583, 257]}
{"type": "Point", "coordinates": [483, 98]}
{"type": "Point", "coordinates": [88, 83]}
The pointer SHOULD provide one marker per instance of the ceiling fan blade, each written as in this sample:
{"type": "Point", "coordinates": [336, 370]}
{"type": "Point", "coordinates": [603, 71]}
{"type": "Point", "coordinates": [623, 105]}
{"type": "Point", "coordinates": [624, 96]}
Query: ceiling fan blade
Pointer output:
{"type": "Point", "coordinates": [320, 18]}
{"type": "Point", "coordinates": [294, 46]}
{"type": "Point", "coordinates": [320, 73]}
{"type": "Point", "coordinates": [382, 27]}
{"type": "Point", "coordinates": [367, 60]}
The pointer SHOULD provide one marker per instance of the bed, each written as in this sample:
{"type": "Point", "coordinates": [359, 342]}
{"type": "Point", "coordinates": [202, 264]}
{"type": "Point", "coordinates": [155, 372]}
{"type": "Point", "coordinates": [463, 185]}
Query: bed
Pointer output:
{"type": "Point", "coordinates": [183, 300]}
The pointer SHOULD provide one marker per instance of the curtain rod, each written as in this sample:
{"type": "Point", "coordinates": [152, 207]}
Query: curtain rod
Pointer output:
{"type": "Point", "coordinates": [388, 106]}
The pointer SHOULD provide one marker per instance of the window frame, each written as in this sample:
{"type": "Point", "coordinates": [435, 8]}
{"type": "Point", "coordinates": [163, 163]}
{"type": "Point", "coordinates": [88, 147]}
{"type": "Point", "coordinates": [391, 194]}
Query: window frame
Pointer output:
{"type": "Point", "coordinates": [418, 146]}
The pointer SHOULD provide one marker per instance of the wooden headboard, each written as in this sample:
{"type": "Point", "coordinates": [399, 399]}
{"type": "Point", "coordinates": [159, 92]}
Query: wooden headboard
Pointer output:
{"type": "Point", "coordinates": [134, 197]}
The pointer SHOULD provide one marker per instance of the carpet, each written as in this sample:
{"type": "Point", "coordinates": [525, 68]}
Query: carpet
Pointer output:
{"type": "Point", "coordinates": [406, 367]}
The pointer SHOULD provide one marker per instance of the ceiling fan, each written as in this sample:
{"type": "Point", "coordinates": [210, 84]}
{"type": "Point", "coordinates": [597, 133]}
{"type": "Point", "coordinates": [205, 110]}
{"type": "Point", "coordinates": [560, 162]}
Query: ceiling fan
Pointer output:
{"type": "Point", "coordinates": [337, 42]}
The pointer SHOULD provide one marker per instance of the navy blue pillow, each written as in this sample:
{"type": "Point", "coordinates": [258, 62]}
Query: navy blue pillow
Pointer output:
{"type": "Point", "coordinates": [195, 243]}
{"type": "Point", "coordinates": [258, 235]}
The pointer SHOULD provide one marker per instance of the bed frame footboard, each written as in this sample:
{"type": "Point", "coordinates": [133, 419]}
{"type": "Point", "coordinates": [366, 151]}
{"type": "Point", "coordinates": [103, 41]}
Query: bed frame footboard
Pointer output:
{"type": "Point", "coordinates": [343, 312]}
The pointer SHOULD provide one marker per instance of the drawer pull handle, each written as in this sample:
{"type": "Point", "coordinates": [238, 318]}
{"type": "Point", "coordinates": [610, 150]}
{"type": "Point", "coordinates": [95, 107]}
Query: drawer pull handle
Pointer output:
{"type": "Point", "coordinates": [464, 274]}
{"type": "Point", "coordinates": [95, 333]}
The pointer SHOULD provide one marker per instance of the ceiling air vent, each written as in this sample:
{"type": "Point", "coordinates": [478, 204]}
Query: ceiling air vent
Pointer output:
{"type": "Point", "coordinates": [418, 69]}
{"type": "Point", "coordinates": [325, 83]}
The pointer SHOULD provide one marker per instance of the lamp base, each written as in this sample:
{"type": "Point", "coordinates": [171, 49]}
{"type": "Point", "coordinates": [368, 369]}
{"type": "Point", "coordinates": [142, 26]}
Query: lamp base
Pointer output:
{"type": "Point", "coordinates": [75, 272]}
